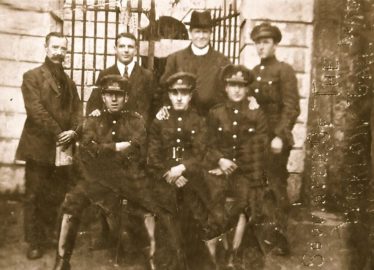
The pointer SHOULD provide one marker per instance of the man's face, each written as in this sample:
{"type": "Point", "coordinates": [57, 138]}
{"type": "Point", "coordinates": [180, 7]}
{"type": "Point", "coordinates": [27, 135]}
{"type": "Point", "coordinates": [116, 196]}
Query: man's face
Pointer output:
{"type": "Point", "coordinates": [265, 47]}
{"type": "Point", "coordinates": [200, 37]}
{"type": "Point", "coordinates": [125, 50]}
{"type": "Point", "coordinates": [180, 99]}
{"type": "Point", "coordinates": [114, 102]}
{"type": "Point", "coordinates": [236, 92]}
{"type": "Point", "coordinates": [56, 49]}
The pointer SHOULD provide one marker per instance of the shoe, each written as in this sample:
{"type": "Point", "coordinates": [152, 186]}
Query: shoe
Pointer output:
{"type": "Point", "coordinates": [34, 252]}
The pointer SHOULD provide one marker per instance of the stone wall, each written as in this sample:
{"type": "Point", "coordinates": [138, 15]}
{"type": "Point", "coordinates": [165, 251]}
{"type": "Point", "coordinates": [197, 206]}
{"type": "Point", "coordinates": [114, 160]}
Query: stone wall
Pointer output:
{"type": "Point", "coordinates": [22, 31]}
{"type": "Point", "coordinates": [295, 20]}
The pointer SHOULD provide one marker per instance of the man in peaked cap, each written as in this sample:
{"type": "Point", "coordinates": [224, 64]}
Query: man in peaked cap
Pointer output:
{"type": "Point", "coordinates": [175, 151]}
{"type": "Point", "coordinates": [275, 89]}
{"type": "Point", "coordinates": [200, 59]}
{"type": "Point", "coordinates": [235, 157]}
{"type": "Point", "coordinates": [110, 167]}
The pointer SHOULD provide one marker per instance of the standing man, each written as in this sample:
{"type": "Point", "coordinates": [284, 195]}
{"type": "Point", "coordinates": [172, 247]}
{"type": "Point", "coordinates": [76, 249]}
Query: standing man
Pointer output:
{"type": "Point", "coordinates": [200, 59]}
{"type": "Point", "coordinates": [141, 79]}
{"type": "Point", "coordinates": [275, 89]}
{"type": "Point", "coordinates": [53, 121]}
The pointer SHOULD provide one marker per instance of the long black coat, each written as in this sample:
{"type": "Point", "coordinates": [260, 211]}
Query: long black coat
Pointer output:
{"type": "Point", "coordinates": [45, 116]}
{"type": "Point", "coordinates": [275, 88]}
{"type": "Point", "coordinates": [142, 91]}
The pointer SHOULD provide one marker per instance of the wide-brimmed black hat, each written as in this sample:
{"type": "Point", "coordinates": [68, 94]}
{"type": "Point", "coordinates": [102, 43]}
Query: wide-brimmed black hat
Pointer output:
{"type": "Point", "coordinates": [115, 84]}
{"type": "Point", "coordinates": [237, 74]}
{"type": "Point", "coordinates": [181, 81]}
{"type": "Point", "coordinates": [266, 30]}
{"type": "Point", "coordinates": [200, 20]}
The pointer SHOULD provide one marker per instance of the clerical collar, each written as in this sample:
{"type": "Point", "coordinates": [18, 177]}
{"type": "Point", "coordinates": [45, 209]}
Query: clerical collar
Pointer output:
{"type": "Point", "coordinates": [130, 67]}
{"type": "Point", "coordinates": [198, 51]}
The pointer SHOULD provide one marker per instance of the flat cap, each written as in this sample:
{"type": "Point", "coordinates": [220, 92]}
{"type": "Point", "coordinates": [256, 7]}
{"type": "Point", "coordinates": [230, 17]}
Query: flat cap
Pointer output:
{"type": "Point", "coordinates": [237, 74]}
{"type": "Point", "coordinates": [266, 30]}
{"type": "Point", "coordinates": [114, 84]}
{"type": "Point", "coordinates": [181, 80]}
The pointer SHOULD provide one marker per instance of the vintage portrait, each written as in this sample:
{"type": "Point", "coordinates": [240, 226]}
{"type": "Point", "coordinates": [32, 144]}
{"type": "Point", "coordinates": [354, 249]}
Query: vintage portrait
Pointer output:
{"type": "Point", "coordinates": [186, 134]}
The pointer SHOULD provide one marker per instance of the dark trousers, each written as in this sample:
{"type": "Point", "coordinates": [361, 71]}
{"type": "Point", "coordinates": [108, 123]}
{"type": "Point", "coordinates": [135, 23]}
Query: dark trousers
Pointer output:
{"type": "Point", "coordinates": [46, 186]}
{"type": "Point", "coordinates": [277, 175]}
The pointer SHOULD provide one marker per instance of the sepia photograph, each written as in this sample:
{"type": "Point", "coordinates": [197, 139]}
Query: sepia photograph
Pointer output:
{"type": "Point", "coordinates": [186, 134]}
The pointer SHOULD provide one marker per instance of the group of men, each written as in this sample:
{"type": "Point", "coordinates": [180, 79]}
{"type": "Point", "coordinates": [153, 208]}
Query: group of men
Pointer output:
{"type": "Point", "coordinates": [221, 131]}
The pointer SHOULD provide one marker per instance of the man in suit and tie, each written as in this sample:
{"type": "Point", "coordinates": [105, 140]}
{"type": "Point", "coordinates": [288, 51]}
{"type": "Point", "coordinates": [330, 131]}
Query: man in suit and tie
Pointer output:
{"type": "Point", "coordinates": [140, 78]}
{"type": "Point", "coordinates": [53, 113]}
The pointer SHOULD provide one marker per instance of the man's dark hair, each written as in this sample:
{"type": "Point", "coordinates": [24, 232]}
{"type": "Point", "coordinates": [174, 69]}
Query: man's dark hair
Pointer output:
{"type": "Point", "coordinates": [54, 34]}
{"type": "Point", "coordinates": [126, 35]}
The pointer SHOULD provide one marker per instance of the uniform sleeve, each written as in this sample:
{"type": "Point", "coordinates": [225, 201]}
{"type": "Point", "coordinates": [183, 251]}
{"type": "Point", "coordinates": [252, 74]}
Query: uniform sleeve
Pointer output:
{"type": "Point", "coordinates": [198, 148]}
{"type": "Point", "coordinates": [290, 104]}
{"type": "Point", "coordinates": [138, 147]}
{"type": "Point", "coordinates": [259, 144]}
{"type": "Point", "coordinates": [95, 101]}
{"type": "Point", "coordinates": [154, 156]}
{"type": "Point", "coordinates": [34, 108]}
{"type": "Point", "coordinates": [213, 154]}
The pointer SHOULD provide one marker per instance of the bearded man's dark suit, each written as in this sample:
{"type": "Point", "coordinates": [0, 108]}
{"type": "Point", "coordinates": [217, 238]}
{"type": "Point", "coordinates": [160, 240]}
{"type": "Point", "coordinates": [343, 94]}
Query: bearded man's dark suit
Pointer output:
{"type": "Point", "coordinates": [142, 90]}
{"type": "Point", "coordinates": [52, 106]}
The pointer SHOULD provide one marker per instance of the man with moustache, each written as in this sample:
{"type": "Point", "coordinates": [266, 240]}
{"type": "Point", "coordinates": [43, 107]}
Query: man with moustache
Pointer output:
{"type": "Point", "coordinates": [141, 79]}
{"type": "Point", "coordinates": [200, 59]}
{"type": "Point", "coordinates": [275, 89]}
{"type": "Point", "coordinates": [53, 121]}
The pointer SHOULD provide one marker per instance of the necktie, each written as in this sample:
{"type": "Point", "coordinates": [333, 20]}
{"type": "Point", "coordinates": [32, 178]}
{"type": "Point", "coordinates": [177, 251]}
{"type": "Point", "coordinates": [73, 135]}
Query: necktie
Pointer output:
{"type": "Point", "coordinates": [126, 73]}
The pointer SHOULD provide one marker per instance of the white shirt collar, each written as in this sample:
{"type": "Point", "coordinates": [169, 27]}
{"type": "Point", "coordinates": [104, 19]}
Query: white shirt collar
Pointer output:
{"type": "Point", "coordinates": [198, 51]}
{"type": "Point", "coordinates": [130, 67]}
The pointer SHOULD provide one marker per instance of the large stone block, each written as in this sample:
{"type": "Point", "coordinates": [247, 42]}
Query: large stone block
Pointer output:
{"type": "Point", "coordinates": [299, 135]}
{"type": "Point", "coordinates": [303, 116]}
{"type": "Point", "coordinates": [296, 161]}
{"type": "Point", "coordinates": [304, 84]}
{"type": "Point", "coordinates": [12, 179]}
{"type": "Point", "coordinates": [22, 48]}
{"type": "Point", "coordinates": [294, 183]}
{"type": "Point", "coordinates": [12, 72]}
{"type": "Point", "coordinates": [278, 10]}
{"type": "Point", "coordinates": [8, 149]}
{"type": "Point", "coordinates": [13, 124]}
{"type": "Point", "coordinates": [11, 100]}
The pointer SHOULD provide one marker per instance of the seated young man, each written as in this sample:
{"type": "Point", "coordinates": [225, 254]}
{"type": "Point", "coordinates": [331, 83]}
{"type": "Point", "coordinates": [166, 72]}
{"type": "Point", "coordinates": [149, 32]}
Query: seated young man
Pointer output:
{"type": "Point", "coordinates": [110, 166]}
{"type": "Point", "coordinates": [175, 150]}
{"type": "Point", "coordinates": [235, 158]}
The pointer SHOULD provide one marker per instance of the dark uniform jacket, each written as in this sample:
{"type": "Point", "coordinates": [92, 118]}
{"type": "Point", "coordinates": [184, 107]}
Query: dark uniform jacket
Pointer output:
{"type": "Point", "coordinates": [275, 88]}
{"type": "Point", "coordinates": [206, 68]}
{"type": "Point", "coordinates": [46, 118]}
{"type": "Point", "coordinates": [143, 87]}
{"type": "Point", "coordinates": [98, 160]}
{"type": "Point", "coordinates": [237, 133]}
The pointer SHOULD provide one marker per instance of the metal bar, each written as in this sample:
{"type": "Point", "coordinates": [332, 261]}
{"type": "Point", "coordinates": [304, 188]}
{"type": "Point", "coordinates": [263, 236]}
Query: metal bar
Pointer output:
{"type": "Point", "coordinates": [140, 7]}
{"type": "Point", "coordinates": [224, 27]}
{"type": "Point", "coordinates": [83, 48]}
{"type": "Point", "coordinates": [128, 11]}
{"type": "Point", "coordinates": [229, 40]}
{"type": "Point", "coordinates": [237, 42]}
{"type": "Point", "coordinates": [219, 31]}
{"type": "Point", "coordinates": [214, 28]}
{"type": "Point", "coordinates": [94, 45]}
{"type": "Point", "coordinates": [72, 39]}
{"type": "Point", "coordinates": [106, 32]}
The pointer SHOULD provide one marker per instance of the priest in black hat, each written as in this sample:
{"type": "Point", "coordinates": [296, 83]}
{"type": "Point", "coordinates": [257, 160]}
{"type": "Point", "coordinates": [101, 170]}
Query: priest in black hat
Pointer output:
{"type": "Point", "coordinates": [200, 59]}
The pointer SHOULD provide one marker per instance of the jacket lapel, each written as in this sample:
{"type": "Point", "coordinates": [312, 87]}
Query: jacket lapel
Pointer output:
{"type": "Point", "coordinates": [48, 77]}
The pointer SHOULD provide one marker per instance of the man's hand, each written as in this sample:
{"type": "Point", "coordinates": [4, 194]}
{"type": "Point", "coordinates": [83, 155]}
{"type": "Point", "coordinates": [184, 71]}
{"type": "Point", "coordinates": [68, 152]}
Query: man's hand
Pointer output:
{"type": "Point", "coordinates": [163, 113]}
{"type": "Point", "coordinates": [65, 137]}
{"type": "Point", "coordinates": [227, 166]}
{"type": "Point", "coordinates": [181, 181]}
{"type": "Point", "coordinates": [216, 171]}
{"type": "Point", "coordinates": [95, 113]}
{"type": "Point", "coordinates": [174, 173]}
{"type": "Point", "coordinates": [253, 104]}
{"type": "Point", "coordinates": [276, 145]}
{"type": "Point", "coordinates": [122, 146]}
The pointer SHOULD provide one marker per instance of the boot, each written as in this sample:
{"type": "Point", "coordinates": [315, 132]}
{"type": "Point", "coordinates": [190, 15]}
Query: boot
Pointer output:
{"type": "Point", "coordinates": [237, 240]}
{"type": "Point", "coordinates": [68, 233]}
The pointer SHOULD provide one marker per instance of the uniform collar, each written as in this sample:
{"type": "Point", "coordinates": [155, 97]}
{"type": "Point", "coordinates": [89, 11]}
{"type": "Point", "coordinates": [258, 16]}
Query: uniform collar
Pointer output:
{"type": "Point", "coordinates": [269, 60]}
{"type": "Point", "coordinates": [199, 52]}
{"type": "Point", "coordinates": [236, 105]}
{"type": "Point", "coordinates": [130, 67]}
